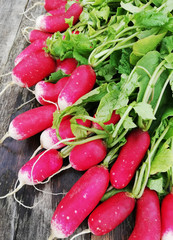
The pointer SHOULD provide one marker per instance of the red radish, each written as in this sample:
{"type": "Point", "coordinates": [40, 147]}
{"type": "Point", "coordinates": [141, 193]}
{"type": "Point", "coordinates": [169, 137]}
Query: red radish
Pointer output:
{"type": "Point", "coordinates": [33, 69]}
{"type": "Point", "coordinates": [148, 222]}
{"type": "Point", "coordinates": [35, 35]}
{"type": "Point", "coordinates": [114, 119]}
{"type": "Point", "coordinates": [58, 11]}
{"type": "Point", "coordinates": [111, 213]}
{"type": "Point", "coordinates": [68, 65]}
{"type": "Point", "coordinates": [53, 4]}
{"type": "Point", "coordinates": [48, 137]}
{"type": "Point", "coordinates": [86, 155]}
{"type": "Point", "coordinates": [54, 23]}
{"type": "Point", "coordinates": [82, 198]}
{"type": "Point", "coordinates": [31, 122]}
{"type": "Point", "coordinates": [129, 158]}
{"type": "Point", "coordinates": [80, 82]}
{"type": "Point", "coordinates": [33, 47]}
{"type": "Point", "coordinates": [166, 217]}
{"type": "Point", "coordinates": [38, 168]}
{"type": "Point", "coordinates": [48, 164]}
{"type": "Point", "coordinates": [49, 91]}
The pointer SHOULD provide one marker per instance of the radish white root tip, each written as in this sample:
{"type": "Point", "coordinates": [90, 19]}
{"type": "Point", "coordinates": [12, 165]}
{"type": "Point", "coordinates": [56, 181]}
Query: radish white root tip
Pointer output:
{"type": "Point", "coordinates": [81, 233]}
{"type": "Point", "coordinates": [16, 189]}
{"type": "Point", "coordinates": [4, 137]}
{"type": "Point", "coordinates": [51, 237]}
{"type": "Point", "coordinates": [25, 103]}
{"type": "Point", "coordinates": [7, 86]}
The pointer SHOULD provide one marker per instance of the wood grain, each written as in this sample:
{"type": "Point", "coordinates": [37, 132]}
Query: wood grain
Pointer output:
{"type": "Point", "coordinates": [17, 222]}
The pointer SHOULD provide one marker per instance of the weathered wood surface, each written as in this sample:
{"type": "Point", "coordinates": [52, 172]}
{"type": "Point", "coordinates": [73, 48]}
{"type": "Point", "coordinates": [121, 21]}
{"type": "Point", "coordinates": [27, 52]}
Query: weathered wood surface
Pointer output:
{"type": "Point", "coordinates": [17, 222]}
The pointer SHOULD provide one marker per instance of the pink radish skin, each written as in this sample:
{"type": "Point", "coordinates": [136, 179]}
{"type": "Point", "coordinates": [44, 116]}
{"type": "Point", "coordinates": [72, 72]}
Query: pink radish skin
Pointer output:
{"type": "Point", "coordinates": [33, 47]}
{"type": "Point", "coordinates": [54, 23]}
{"type": "Point", "coordinates": [68, 65]}
{"type": "Point", "coordinates": [148, 222]}
{"type": "Point", "coordinates": [81, 81]}
{"type": "Point", "coordinates": [114, 119]}
{"type": "Point", "coordinates": [48, 137]}
{"type": "Point", "coordinates": [82, 198]}
{"type": "Point", "coordinates": [166, 217]}
{"type": "Point", "coordinates": [129, 158]}
{"type": "Point", "coordinates": [53, 4]}
{"type": "Point", "coordinates": [47, 165]}
{"type": "Point", "coordinates": [31, 122]}
{"type": "Point", "coordinates": [49, 91]}
{"type": "Point", "coordinates": [33, 69]}
{"type": "Point", "coordinates": [58, 11]}
{"type": "Point", "coordinates": [87, 155]}
{"type": "Point", "coordinates": [109, 214]}
{"type": "Point", "coordinates": [35, 35]}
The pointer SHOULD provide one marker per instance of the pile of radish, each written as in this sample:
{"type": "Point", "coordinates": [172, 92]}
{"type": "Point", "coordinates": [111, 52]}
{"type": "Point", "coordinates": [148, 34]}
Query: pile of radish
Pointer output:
{"type": "Point", "coordinates": [103, 71]}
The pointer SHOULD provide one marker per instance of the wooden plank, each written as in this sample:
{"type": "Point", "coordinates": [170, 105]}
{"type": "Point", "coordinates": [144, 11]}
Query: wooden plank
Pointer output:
{"type": "Point", "coordinates": [16, 222]}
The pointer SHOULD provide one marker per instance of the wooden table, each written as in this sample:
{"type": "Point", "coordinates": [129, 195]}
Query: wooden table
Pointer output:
{"type": "Point", "coordinates": [17, 222]}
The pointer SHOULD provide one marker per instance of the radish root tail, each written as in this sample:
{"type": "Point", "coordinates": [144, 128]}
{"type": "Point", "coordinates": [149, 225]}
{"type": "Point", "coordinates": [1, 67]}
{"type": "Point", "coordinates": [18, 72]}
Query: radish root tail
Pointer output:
{"type": "Point", "coordinates": [22, 105]}
{"type": "Point", "coordinates": [16, 189]}
{"type": "Point", "coordinates": [7, 86]}
{"type": "Point", "coordinates": [33, 6]}
{"type": "Point", "coordinates": [81, 233]}
{"type": "Point", "coordinates": [4, 137]}
{"type": "Point", "coordinates": [5, 74]}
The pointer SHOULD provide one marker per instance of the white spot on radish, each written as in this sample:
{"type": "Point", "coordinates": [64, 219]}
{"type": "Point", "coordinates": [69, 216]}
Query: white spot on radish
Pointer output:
{"type": "Point", "coordinates": [62, 206]}
{"type": "Point", "coordinates": [68, 217]}
{"type": "Point", "coordinates": [85, 195]}
{"type": "Point", "coordinates": [115, 213]}
{"type": "Point", "coordinates": [99, 221]}
{"type": "Point", "coordinates": [75, 211]}
{"type": "Point", "coordinates": [98, 228]}
{"type": "Point", "coordinates": [92, 219]}
{"type": "Point", "coordinates": [113, 173]}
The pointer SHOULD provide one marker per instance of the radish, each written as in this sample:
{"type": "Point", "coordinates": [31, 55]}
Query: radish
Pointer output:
{"type": "Point", "coordinates": [129, 158]}
{"type": "Point", "coordinates": [148, 222]}
{"type": "Point", "coordinates": [114, 119]}
{"type": "Point", "coordinates": [111, 213]}
{"type": "Point", "coordinates": [53, 4]}
{"type": "Point", "coordinates": [166, 217]}
{"type": "Point", "coordinates": [79, 202]}
{"type": "Point", "coordinates": [33, 47]}
{"type": "Point", "coordinates": [58, 11]}
{"type": "Point", "coordinates": [80, 82]}
{"type": "Point", "coordinates": [68, 65]}
{"type": "Point", "coordinates": [49, 91]}
{"type": "Point", "coordinates": [86, 155]}
{"type": "Point", "coordinates": [35, 35]}
{"type": "Point", "coordinates": [56, 23]}
{"type": "Point", "coordinates": [30, 123]}
{"type": "Point", "coordinates": [33, 69]}
{"type": "Point", "coordinates": [38, 168]}
{"type": "Point", "coordinates": [48, 137]}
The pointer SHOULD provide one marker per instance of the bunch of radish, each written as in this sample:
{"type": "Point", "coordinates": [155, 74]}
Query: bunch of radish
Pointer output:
{"type": "Point", "coordinates": [108, 157]}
